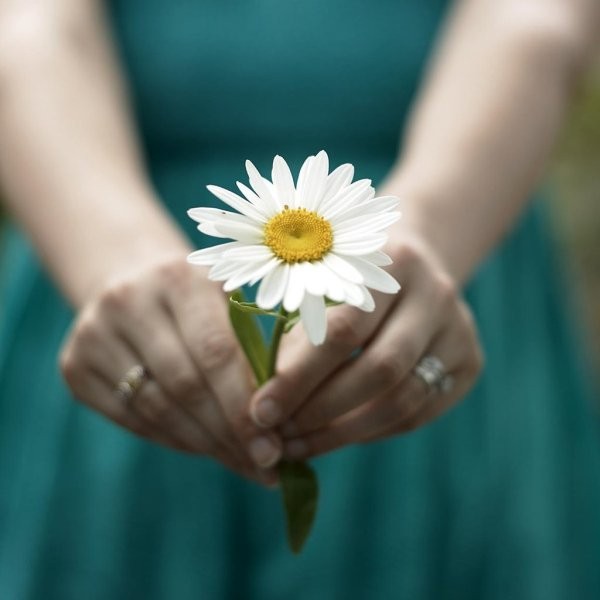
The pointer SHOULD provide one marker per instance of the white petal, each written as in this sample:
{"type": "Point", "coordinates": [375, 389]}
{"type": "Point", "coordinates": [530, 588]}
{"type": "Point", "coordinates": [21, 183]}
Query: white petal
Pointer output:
{"type": "Point", "coordinates": [209, 229]}
{"type": "Point", "coordinates": [248, 252]}
{"type": "Point", "coordinates": [354, 293]}
{"type": "Point", "coordinates": [378, 258]}
{"type": "Point", "coordinates": [351, 236]}
{"type": "Point", "coordinates": [356, 193]}
{"type": "Point", "coordinates": [295, 289]}
{"type": "Point", "coordinates": [315, 278]}
{"type": "Point", "coordinates": [368, 304]}
{"type": "Point", "coordinates": [251, 271]}
{"type": "Point", "coordinates": [240, 231]}
{"type": "Point", "coordinates": [312, 314]}
{"type": "Point", "coordinates": [367, 224]}
{"type": "Point", "coordinates": [263, 273]}
{"type": "Point", "coordinates": [335, 289]}
{"type": "Point", "coordinates": [301, 183]}
{"type": "Point", "coordinates": [237, 203]}
{"type": "Point", "coordinates": [225, 269]}
{"type": "Point", "coordinates": [258, 184]}
{"type": "Point", "coordinates": [342, 268]}
{"type": "Point", "coordinates": [208, 256]}
{"type": "Point", "coordinates": [360, 246]}
{"type": "Point", "coordinates": [312, 186]}
{"type": "Point", "coordinates": [272, 191]}
{"type": "Point", "coordinates": [373, 206]}
{"type": "Point", "coordinates": [250, 195]}
{"type": "Point", "coordinates": [216, 215]}
{"type": "Point", "coordinates": [273, 286]}
{"type": "Point", "coordinates": [283, 182]}
{"type": "Point", "coordinates": [336, 180]}
{"type": "Point", "coordinates": [375, 277]}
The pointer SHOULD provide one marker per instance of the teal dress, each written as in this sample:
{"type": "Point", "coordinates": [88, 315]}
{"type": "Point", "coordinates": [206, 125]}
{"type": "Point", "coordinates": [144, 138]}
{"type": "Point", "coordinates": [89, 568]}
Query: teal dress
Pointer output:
{"type": "Point", "coordinates": [499, 499]}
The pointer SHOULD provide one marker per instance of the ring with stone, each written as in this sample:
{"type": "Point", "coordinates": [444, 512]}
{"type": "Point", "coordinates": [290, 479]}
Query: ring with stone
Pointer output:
{"type": "Point", "coordinates": [130, 384]}
{"type": "Point", "coordinates": [431, 371]}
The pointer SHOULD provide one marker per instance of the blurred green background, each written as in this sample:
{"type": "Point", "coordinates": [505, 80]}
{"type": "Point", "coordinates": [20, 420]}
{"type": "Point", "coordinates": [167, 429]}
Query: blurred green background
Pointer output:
{"type": "Point", "coordinates": [573, 178]}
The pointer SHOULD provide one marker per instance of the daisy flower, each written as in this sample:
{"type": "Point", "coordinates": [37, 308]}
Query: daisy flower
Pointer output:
{"type": "Point", "coordinates": [320, 238]}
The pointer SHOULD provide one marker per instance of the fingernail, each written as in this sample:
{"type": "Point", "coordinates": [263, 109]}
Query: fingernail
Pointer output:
{"type": "Point", "coordinates": [296, 449]}
{"type": "Point", "coordinates": [266, 413]}
{"type": "Point", "coordinates": [289, 429]}
{"type": "Point", "coordinates": [263, 452]}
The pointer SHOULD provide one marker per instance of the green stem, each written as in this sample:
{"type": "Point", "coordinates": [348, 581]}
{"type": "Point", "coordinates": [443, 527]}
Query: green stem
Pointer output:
{"type": "Point", "coordinates": [275, 340]}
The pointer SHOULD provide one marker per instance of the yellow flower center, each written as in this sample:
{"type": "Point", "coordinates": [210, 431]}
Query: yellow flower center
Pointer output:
{"type": "Point", "coordinates": [298, 234]}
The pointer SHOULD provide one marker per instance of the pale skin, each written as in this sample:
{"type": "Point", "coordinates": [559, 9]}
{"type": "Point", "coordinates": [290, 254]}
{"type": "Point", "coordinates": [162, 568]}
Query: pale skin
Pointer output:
{"type": "Point", "coordinates": [69, 158]}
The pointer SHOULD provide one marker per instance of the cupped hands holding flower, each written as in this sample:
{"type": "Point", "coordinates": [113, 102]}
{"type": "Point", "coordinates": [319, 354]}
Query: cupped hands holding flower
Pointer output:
{"type": "Point", "coordinates": [348, 375]}
{"type": "Point", "coordinates": [372, 376]}
{"type": "Point", "coordinates": [345, 376]}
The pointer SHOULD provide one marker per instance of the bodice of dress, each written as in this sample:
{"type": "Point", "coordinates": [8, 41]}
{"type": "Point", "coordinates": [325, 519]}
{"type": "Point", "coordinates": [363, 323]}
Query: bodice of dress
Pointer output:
{"type": "Point", "coordinates": [222, 77]}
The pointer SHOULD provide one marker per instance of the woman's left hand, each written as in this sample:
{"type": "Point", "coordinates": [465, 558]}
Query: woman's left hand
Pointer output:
{"type": "Point", "coordinates": [324, 397]}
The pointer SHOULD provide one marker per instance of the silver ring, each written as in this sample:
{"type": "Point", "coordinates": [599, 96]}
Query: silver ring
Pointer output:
{"type": "Point", "coordinates": [131, 383]}
{"type": "Point", "coordinates": [432, 373]}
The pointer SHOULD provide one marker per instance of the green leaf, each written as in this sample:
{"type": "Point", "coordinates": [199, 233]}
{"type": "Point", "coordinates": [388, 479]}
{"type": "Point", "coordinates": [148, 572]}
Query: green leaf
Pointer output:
{"type": "Point", "coordinates": [250, 337]}
{"type": "Point", "coordinates": [251, 307]}
{"type": "Point", "coordinates": [293, 319]}
{"type": "Point", "coordinates": [300, 495]}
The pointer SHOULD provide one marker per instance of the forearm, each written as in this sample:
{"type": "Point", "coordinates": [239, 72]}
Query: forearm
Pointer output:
{"type": "Point", "coordinates": [486, 120]}
{"type": "Point", "coordinates": [70, 169]}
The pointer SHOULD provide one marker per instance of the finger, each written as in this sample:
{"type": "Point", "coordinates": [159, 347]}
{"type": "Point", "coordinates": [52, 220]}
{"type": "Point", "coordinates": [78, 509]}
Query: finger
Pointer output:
{"type": "Point", "coordinates": [214, 349]}
{"type": "Point", "coordinates": [162, 353]}
{"type": "Point", "coordinates": [151, 403]}
{"type": "Point", "coordinates": [382, 365]}
{"type": "Point", "coordinates": [205, 409]}
{"type": "Point", "coordinates": [94, 391]}
{"type": "Point", "coordinates": [407, 403]}
{"type": "Point", "coordinates": [362, 424]}
{"type": "Point", "coordinates": [87, 368]}
{"type": "Point", "coordinates": [302, 366]}
{"type": "Point", "coordinates": [111, 357]}
{"type": "Point", "coordinates": [204, 404]}
{"type": "Point", "coordinates": [464, 377]}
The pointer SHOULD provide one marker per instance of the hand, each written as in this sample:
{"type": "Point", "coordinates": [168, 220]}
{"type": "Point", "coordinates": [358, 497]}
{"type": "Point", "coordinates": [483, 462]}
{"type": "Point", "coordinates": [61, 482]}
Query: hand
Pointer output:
{"type": "Point", "coordinates": [173, 321]}
{"type": "Point", "coordinates": [324, 398]}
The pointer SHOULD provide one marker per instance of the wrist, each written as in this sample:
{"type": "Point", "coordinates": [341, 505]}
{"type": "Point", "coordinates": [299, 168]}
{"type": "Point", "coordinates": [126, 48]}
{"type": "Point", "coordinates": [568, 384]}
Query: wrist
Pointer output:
{"type": "Point", "coordinates": [428, 225]}
{"type": "Point", "coordinates": [130, 250]}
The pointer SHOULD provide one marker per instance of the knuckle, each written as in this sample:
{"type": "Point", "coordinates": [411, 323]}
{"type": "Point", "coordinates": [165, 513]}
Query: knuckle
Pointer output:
{"type": "Point", "coordinates": [173, 272]}
{"type": "Point", "coordinates": [240, 424]}
{"type": "Point", "coordinates": [87, 330]}
{"type": "Point", "coordinates": [343, 332]}
{"type": "Point", "coordinates": [447, 289]}
{"type": "Point", "coordinates": [405, 252]}
{"type": "Point", "coordinates": [184, 385]}
{"type": "Point", "coordinates": [410, 354]}
{"type": "Point", "coordinates": [468, 317]}
{"type": "Point", "coordinates": [118, 296]}
{"type": "Point", "coordinates": [288, 382]}
{"type": "Point", "coordinates": [68, 365]}
{"type": "Point", "coordinates": [157, 410]}
{"type": "Point", "coordinates": [387, 368]}
{"type": "Point", "coordinates": [217, 349]}
{"type": "Point", "coordinates": [477, 363]}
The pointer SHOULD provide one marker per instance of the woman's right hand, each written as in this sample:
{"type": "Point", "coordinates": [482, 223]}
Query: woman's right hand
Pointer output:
{"type": "Point", "coordinates": [173, 321]}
